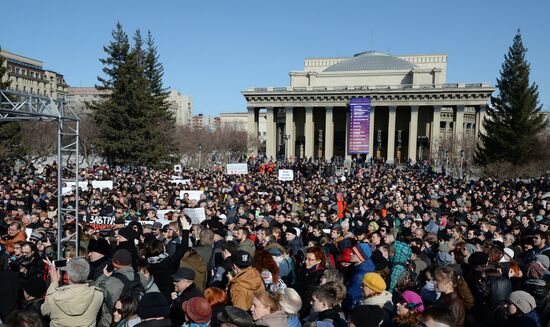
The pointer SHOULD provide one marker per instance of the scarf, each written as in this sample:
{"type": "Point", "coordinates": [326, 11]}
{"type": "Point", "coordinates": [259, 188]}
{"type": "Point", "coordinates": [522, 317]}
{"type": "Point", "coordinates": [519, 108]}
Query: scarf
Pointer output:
{"type": "Point", "coordinates": [158, 258]}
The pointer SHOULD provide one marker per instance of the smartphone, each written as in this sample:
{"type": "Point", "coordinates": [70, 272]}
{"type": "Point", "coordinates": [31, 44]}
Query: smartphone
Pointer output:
{"type": "Point", "coordinates": [60, 263]}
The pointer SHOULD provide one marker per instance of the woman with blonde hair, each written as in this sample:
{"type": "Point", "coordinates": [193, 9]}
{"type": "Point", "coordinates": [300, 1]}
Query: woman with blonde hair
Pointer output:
{"type": "Point", "coordinates": [266, 310]}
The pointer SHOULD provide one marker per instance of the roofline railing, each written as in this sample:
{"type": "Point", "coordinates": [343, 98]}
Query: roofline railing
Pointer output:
{"type": "Point", "coordinates": [369, 87]}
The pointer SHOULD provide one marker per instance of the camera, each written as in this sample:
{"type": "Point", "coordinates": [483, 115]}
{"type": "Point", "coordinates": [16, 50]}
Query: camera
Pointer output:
{"type": "Point", "coordinates": [5, 237]}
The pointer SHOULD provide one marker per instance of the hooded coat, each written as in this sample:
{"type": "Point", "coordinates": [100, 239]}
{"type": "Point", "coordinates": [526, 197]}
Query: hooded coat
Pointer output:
{"type": "Point", "coordinates": [354, 287]}
{"type": "Point", "coordinates": [243, 286]}
{"type": "Point", "coordinates": [72, 305]}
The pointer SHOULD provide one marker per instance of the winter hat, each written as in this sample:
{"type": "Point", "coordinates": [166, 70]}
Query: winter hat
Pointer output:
{"type": "Point", "coordinates": [235, 316]}
{"type": "Point", "coordinates": [291, 302]}
{"type": "Point", "coordinates": [375, 282]}
{"type": "Point", "coordinates": [100, 246]}
{"type": "Point", "coordinates": [470, 248]}
{"type": "Point", "coordinates": [543, 260]}
{"type": "Point", "coordinates": [478, 259]}
{"type": "Point", "coordinates": [153, 305]}
{"type": "Point", "coordinates": [122, 257]}
{"type": "Point", "coordinates": [242, 259]}
{"type": "Point", "coordinates": [444, 247]}
{"type": "Point", "coordinates": [128, 233]}
{"type": "Point", "coordinates": [444, 259]}
{"type": "Point", "coordinates": [367, 316]}
{"type": "Point", "coordinates": [35, 287]}
{"type": "Point", "coordinates": [362, 251]}
{"type": "Point", "coordinates": [524, 301]}
{"type": "Point", "coordinates": [374, 225]}
{"type": "Point", "coordinates": [509, 252]}
{"type": "Point", "coordinates": [346, 255]}
{"type": "Point", "coordinates": [198, 310]}
{"type": "Point", "coordinates": [414, 301]}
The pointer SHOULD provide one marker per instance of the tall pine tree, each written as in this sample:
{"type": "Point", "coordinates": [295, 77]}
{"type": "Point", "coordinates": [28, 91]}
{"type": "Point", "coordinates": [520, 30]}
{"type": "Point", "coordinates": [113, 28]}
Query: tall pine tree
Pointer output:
{"type": "Point", "coordinates": [132, 120]}
{"type": "Point", "coordinates": [11, 141]}
{"type": "Point", "coordinates": [514, 118]}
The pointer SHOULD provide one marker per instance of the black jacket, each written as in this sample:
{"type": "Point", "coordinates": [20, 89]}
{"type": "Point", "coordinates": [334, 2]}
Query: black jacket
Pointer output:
{"type": "Point", "coordinates": [163, 270]}
{"type": "Point", "coordinates": [155, 323]}
{"type": "Point", "coordinates": [176, 311]}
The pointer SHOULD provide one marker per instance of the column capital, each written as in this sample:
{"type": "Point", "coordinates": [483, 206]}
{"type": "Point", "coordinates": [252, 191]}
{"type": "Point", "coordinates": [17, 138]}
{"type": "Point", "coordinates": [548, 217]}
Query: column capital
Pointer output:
{"type": "Point", "coordinates": [437, 108]}
{"type": "Point", "coordinates": [414, 108]}
{"type": "Point", "coordinates": [459, 107]}
{"type": "Point", "coordinates": [392, 108]}
{"type": "Point", "coordinates": [329, 107]}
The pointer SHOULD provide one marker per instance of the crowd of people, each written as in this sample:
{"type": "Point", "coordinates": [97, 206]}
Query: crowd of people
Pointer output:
{"type": "Point", "coordinates": [368, 245]}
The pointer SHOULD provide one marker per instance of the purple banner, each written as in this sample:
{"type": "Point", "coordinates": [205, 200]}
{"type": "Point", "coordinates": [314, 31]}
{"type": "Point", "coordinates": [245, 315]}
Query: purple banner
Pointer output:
{"type": "Point", "coordinates": [359, 125]}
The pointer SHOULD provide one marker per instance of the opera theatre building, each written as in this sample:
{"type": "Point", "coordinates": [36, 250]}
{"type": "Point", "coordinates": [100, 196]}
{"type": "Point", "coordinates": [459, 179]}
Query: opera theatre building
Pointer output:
{"type": "Point", "coordinates": [374, 105]}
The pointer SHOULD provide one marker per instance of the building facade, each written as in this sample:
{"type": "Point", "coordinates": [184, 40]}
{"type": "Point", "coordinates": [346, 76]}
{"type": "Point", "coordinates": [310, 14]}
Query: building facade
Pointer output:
{"type": "Point", "coordinates": [239, 121]}
{"type": "Point", "coordinates": [205, 122]}
{"type": "Point", "coordinates": [29, 76]}
{"type": "Point", "coordinates": [182, 107]}
{"type": "Point", "coordinates": [412, 108]}
{"type": "Point", "coordinates": [77, 97]}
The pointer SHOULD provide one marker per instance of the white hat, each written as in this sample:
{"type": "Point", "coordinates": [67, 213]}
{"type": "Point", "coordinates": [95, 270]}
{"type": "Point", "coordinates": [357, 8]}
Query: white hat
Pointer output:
{"type": "Point", "coordinates": [291, 302]}
{"type": "Point", "coordinates": [509, 252]}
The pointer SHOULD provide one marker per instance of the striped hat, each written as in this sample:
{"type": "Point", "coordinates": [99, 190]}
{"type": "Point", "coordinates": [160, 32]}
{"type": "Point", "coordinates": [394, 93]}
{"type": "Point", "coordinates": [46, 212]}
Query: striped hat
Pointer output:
{"type": "Point", "coordinates": [362, 251]}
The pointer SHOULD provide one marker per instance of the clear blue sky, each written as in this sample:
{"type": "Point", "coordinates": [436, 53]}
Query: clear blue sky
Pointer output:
{"type": "Point", "coordinates": [212, 50]}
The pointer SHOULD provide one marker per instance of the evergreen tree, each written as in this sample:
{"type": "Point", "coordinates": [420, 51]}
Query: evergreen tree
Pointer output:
{"type": "Point", "coordinates": [11, 142]}
{"type": "Point", "coordinates": [132, 120]}
{"type": "Point", "coordinates": [514, 118]}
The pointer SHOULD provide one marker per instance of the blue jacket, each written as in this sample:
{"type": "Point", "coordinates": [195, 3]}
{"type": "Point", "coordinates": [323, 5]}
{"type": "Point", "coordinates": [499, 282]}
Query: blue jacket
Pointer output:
{"type": "Point", "coordinates": [355, 292]}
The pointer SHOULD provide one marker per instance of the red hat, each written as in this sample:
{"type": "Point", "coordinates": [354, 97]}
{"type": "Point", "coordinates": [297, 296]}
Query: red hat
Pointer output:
{"type": "Point", "coordinates": [346, 255]}
{"type": "Point", "coordinates": [198, 310]}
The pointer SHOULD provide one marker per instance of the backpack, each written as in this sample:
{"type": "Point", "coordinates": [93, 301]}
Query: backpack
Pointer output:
{"type": "Point", "coordinates": [132, 288]}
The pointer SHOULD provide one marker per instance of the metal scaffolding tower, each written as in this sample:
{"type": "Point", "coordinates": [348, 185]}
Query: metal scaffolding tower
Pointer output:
{"type": "Point", "coordinates": [19, 107]}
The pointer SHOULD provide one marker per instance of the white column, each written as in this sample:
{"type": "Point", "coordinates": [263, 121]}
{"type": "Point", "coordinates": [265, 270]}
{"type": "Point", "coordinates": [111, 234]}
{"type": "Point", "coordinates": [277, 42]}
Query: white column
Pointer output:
{"type": "Point", "coordinates": [459, 125]}
{"type": "Point", "coordinates": [436, 128]}
{"type": "Point", "coordinates": [252, 127]}
{"type": "Point", "coordinates": [413, 133]}
{"type": "Point", "coordinates": [329, 133]}
{"type": "Point", "coordinates": [309, 133]}
{"type": "Point", "coordinates": [371, 134]}
{"type": "Point", "coordinates": [271, 140]}
{"type": "Point", "coordinates": [390, 158]}
{"type": "Point", "coordinates": [290, 133]}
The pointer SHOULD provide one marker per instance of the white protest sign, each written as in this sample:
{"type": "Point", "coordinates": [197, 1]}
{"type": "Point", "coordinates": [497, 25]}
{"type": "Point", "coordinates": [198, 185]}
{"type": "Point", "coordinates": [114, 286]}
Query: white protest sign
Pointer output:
{"type": "Point", "coordinates": [286, 174]}
{"type": "Point", "coordinates": [150, 222]}
{"type": "Point", "coordinates": [177, 169]}
{"type": "Point", "coordinates": [197, 215]}
{"type": "Point", "coordinates": [237, 169]}
{"type": "Point", "coordinates": [162, 213]}
{"type": "Point", "coordinates": [193, 194]}
{"type": "Point", "coordinates": [28, 231]}
{"type": "Point", "coordinates": [84, 185]}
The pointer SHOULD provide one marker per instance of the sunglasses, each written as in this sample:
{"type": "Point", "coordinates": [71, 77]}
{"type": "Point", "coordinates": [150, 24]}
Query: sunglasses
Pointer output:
{"type": "Point", "coordinates": [119, 311]}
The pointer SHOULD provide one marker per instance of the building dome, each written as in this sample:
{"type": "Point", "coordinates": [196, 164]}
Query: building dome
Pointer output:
{"type": "Point", "coordinates": [371, 60]}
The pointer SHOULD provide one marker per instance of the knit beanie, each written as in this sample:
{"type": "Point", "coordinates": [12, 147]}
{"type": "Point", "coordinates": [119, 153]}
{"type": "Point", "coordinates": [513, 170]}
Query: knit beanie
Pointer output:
{"type": "Point", "coordinates": [414, 301]}
{"type": "Point", "coordinates": [363, 251]}
{"type": "Point", "coordinates": [153, 305]}
{"type": "Point", "coordinates": [524, 301]}
{"type": "Point", "coordinates": [375, 282]}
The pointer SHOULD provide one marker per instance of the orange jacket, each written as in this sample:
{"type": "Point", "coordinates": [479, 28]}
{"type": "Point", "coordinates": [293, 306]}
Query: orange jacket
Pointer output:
{"type": "Point", "coordinates": [21, 236]}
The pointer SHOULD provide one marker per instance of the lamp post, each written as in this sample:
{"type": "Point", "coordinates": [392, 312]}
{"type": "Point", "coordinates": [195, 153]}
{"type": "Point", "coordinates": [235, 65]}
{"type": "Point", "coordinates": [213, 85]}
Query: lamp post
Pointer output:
{"type": "Point", "coordinates": [287, 138]}
{"type": "Point", "coordinates": [461, 163]}
{"type": "Point", "coordinates": [200, 155]}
